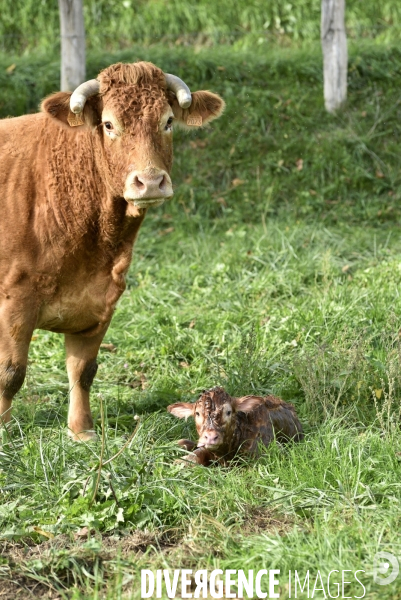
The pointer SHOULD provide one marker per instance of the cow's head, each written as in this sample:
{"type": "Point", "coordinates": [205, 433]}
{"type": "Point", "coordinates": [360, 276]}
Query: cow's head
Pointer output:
{"type": "Point", "coordinates": [215, 416]}
{"type": "Point", "coordinates": [133, 109]}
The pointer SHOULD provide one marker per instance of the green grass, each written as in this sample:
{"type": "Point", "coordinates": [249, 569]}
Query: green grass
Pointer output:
{"type": "Point", "coordinates": [264, 277]}
{"type": "Point", "coordinates": [117, 24]}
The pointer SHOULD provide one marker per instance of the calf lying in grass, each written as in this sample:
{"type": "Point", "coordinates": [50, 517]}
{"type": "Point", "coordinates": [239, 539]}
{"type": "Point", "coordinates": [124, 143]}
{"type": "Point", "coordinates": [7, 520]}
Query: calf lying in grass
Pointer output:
{"type": "Point", "coordinates": [228, 426]}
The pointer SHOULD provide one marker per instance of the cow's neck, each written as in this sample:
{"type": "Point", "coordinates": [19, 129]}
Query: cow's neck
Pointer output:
{"type": "Point", "coordinates": [83, 202]}
{"type": "Point", "coordinates": [235, 437]}
{"type": "Point", "coordinates": [119, 221]}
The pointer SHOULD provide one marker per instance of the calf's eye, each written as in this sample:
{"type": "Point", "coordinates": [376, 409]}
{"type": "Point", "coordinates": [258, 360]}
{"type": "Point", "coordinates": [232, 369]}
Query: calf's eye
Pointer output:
{"type": "Point", "coordinates": [197, 414]}
{"type": "Point", "coordinates": [229, 413]}
{"type": "Point", "coordinates": [108, 125]}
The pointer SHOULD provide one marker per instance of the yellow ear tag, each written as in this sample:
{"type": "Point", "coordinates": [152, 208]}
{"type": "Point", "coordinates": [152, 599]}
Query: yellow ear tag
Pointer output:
{"type": "Point", "coordinates": [195, 121]}
{"type": "Point", "coordinates": [75, 120]}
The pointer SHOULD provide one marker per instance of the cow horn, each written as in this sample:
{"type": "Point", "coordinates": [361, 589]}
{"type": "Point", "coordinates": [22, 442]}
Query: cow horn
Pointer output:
{"type": "Point", "coordinates": [82, 93]}
{"type": "Point", "coordinates": [180, 89]}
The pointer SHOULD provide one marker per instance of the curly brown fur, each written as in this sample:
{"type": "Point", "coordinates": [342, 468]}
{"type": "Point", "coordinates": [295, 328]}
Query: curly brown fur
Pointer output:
{"type": "Point", "coordinates": [136, 92]}
{"type": "Point", "coordinates": [228, 426]}
{"type": "Point", "coordinates": [72, 205]}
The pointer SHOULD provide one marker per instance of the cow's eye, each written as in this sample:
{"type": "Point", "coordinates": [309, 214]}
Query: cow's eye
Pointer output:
{"type": "Point", "coordinates": [108, 125]}
{"type": "Point", "coordinates": [169, 123]}
{"type": "Point", "coordinates": [229, 413]}
{"type": "Point", "coordinates": [197, 414]}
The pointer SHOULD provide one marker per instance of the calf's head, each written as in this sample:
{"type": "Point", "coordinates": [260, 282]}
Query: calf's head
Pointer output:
{"type": "Point", "coordinates": [215, 416]}
{"type": "Point", "coordinates": [133, 109]}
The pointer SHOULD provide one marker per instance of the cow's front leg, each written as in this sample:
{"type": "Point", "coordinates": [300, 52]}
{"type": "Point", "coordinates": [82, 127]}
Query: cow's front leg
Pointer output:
{"type": "Point", "coordinates": [200, 456]}
{"type": "Point", "coordinates": [16, 330]}
{"type": "Point", "coordinates": [81, 354]}
{"type": "Point", "coordinates": [187, 444]}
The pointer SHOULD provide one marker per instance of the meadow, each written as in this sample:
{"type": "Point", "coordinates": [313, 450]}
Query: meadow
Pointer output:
{"type": "Point", "coordinates": [117, 24]}
{"type": "Point", "coordinates": [275, 269]}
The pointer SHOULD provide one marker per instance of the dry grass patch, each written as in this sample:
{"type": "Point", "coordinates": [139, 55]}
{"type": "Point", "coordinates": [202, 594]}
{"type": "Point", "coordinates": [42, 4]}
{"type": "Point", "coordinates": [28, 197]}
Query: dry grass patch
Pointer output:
{"type": "Point", "coordinates": [265, 520]}
{"type": "Point", "coordinates": [53, 568]}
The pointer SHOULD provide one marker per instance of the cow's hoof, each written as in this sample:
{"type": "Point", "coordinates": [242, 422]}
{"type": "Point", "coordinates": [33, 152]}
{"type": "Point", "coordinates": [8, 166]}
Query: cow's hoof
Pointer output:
{"type": "Point", "coordinates": [187, 444]}
{"type": "Point", "coordinates": [189, 460]}
{"type": "Point", "coordinates": [83, 436]}
{"type": "Point", "coordinates": [185, 462]}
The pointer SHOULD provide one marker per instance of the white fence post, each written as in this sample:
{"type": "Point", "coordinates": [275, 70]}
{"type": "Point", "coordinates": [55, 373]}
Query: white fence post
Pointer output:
{"type": "Point", "coordinates": [72, 29]}
{"type": "Point", "coordinates": [335, 55]}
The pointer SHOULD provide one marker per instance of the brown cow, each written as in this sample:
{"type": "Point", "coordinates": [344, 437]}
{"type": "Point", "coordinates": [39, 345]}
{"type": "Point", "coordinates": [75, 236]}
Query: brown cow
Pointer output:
{"type": "Point", "coordinates": [76, 181]}
{"type": "Point", "coordinates": [228, 426]}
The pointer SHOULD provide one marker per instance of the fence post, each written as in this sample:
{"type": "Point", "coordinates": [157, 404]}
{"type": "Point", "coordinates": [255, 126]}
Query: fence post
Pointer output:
{"type": "Point", "coordinates": [72, 30]}
{"type": "Point", "coordinates": [335, 55]}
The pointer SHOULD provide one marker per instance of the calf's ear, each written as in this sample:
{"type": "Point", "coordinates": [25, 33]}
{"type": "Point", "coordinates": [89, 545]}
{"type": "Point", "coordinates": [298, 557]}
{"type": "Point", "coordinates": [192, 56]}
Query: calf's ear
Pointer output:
{"type": "Point", "coordinates": [205, 107]}
{"type": "Point", "coordinates": [247, 403]}
{"type": "Point", "coordinates": [58, 107]}
{"type": "Point", "coordinates": [182, 410]}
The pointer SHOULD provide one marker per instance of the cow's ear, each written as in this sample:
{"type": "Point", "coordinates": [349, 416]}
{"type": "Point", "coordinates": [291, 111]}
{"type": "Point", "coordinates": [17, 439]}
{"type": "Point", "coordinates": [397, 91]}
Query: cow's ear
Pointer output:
{"type": "Point", "coordinates": [58, 106]}
{"type": "Point", "coordinates": [182, 410]}
{"type": "Point", "coordinates": [247, 403]}
{"type": "Point", "coordinates": [205, 107]}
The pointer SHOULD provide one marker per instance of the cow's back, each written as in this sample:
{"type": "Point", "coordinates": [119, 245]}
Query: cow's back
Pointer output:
{"type": "Point", "coordinates": [284, 419]}
{"type": "Point", "coordinates": [271, 419]}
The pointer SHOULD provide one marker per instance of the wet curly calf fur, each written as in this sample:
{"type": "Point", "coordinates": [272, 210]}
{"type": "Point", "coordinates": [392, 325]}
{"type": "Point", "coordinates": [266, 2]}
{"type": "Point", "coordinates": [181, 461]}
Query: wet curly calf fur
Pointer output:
{"type": "Point", "coordinates": [229, 426]}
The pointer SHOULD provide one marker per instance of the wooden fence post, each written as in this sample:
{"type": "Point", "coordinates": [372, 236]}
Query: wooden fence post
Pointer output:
{"type": "Point", "coordinates": [335, 55]}
{"type": "Point", "coordinates": [72, 29]}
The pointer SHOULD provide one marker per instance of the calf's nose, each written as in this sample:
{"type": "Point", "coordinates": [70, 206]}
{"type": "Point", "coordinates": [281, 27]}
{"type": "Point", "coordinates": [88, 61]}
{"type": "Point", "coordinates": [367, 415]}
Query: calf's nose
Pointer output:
{"type": "Point", "coordinates": [210, 438]}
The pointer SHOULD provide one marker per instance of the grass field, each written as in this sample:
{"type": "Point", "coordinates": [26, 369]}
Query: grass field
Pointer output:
{"type": "Point", "coordinates": [276, 268]}
{"type": "Point", "coordinates": [117, 24]}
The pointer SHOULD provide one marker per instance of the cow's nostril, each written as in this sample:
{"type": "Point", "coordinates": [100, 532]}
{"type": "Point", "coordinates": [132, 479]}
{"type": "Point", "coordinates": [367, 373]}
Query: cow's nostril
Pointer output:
{"type": "Point", "coordinates": [138, 183]}
{"type": "Point", "coordinates": [210, 438]}
{"type": "Point", "coordinates": [152, 184]}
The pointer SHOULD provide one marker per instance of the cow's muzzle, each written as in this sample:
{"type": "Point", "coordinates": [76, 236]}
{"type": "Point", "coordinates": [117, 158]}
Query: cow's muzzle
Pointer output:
{"type": "Point", "coordinates": [210, 439]}
{"type": "Point", "coordinates": [150, 187]}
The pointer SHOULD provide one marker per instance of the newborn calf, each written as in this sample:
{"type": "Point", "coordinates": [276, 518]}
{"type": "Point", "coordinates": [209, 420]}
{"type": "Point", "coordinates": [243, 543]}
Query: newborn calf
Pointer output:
{"type": "Point", "coordinates": [227, 426]}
